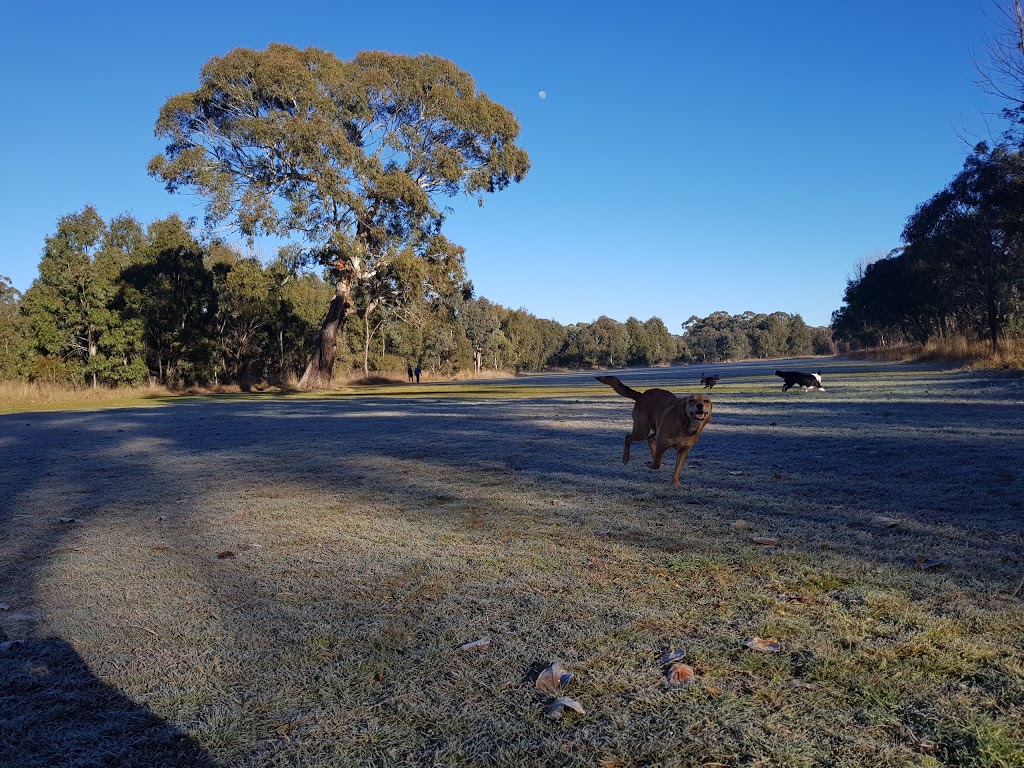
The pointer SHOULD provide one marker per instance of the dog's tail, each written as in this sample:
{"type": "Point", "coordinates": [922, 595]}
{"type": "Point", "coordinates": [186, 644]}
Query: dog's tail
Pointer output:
{"type": "Point", "coordinates": [619, 387]}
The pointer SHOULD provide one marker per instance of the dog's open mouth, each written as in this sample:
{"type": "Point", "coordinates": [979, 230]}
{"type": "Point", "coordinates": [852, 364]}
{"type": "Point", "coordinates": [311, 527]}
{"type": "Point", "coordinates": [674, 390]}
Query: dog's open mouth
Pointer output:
{"type": "Point", "coordinates": [699, 415]}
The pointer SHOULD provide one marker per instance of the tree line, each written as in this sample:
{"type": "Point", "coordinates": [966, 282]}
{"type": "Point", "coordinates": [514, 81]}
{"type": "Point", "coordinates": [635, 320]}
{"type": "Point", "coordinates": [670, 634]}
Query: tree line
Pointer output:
{"type": "Point", "coordinates": [960, 271]}
{"type": "Point", "coordinates": [122, 303]}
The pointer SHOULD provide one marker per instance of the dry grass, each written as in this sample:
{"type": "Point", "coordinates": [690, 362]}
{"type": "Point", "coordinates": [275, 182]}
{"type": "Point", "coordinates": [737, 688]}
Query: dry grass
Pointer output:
{"type": "Point", "coordinates": [372, 535]}
{"type": "Point", "coordinates": [955, 351]}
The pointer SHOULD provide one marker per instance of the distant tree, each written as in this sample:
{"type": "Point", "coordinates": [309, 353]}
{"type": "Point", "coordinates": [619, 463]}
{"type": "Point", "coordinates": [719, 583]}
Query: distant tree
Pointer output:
{"type": "Point", "coordinates": [661, 344]}
{"type": "Point", "coordinates": [10, 333]}
{"type": "Point", "coordinates": [639, 350]}
{"type": "Point", "coordinates": [350, 155]}
{"type": "Point", "coordinates": [249, 300]}
{"type": "Point", "coordinates": [970, 236]}
{"type": "Point", "coordinates": [481, 322]}
{"type": "Point", "coordinates": [71, 314]}
{"type": "Point", "coordinates": [170, 291]}
{"type": "Point", "coordinates": [822, 342]}
{"type": "Point", "coordinates": [798, 341]}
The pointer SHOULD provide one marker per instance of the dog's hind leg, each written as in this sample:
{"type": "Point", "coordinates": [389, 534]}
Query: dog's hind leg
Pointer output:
{"type": "Point", "coordinates": [656, 453]}
{"type": "Point", "coordinates": [640, 432]}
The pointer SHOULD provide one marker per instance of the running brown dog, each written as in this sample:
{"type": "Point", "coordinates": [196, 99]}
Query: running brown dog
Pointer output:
{"type": "Point", "coordinates": [664, 421]}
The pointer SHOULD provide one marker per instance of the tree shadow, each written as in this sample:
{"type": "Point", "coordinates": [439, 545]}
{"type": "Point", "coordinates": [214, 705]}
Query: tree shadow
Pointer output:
{"type": "Point", "coordinates": [57, 713]}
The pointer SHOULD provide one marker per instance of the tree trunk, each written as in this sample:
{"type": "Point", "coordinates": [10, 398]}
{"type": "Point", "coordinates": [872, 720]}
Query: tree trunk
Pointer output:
{"type": "Point", "coordinates": [320, 369]}
{"type": "Point", "coordinates": [366, 347]}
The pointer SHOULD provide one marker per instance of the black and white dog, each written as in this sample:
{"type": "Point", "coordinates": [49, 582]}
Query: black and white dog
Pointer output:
{"type": "Point", "coordinates": [802, 380]}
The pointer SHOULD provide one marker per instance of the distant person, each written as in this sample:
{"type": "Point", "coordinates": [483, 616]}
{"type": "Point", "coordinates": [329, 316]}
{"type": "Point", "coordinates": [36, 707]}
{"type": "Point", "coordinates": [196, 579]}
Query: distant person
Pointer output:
{"type": "Point", "coordinates": [408, 369]}
{"type": "Point", "coordinates": [417, 374]}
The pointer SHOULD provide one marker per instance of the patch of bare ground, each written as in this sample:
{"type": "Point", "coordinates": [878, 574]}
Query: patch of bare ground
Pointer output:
{"type": "Point", "coordinates": [283, 581]}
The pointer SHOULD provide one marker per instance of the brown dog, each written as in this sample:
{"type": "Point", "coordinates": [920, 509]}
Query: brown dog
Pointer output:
{"type": "Point", "coordinates": [664, 421]}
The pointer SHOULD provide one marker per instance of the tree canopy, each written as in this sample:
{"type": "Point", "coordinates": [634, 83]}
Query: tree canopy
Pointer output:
{"type": "Point", "coordinates": [961, 269]}
{"type": "Point", "coordinates": [350, 156]}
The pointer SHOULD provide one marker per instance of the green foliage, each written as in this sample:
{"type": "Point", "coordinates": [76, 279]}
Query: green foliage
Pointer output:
{"type": "Point", "coordinates": [351, 155]}
{"type": "Point", "coordinates": [160, 304]}
{"type": "Point", "coordinates": [721, 336]}
{"type": "Point", "coordinates": [962, 268]}
{"type": "Point", "coordinates": [11, 334]}
{"type": "Point", "coordinates": [70, 312]}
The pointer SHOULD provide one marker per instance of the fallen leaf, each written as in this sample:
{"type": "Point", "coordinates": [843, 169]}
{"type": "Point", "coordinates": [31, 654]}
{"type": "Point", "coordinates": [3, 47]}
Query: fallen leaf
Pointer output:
{"type": "Point", "coordinates": [738, 524]}
{"type": "Point", "coordinates": [225, 555]}
{"type": "Point", "coordinates": [924, 564]}
{"type": "Point", "coordinates": [673, 655]}
{"type": "Point", "coordinates": [801, 684]}
{"type": "Point", "coordinates": [771, 645]}
{"type": "Point", "coordinates": [787, 598]}
{"type": "Point", "coordinates": [712, 690]}
{"type": "Point", "coordinates": [8, 644]}
{"type": "Point", "coordinates": [680, 675]}
{"type": "Point", "coordinates": [5, 606]}
{"type": "Point", "coordinates": [731, 472]}
{"type": "Point", "coordinates": [558, 707]}
{"type": "Point", "coordinates": [553, 679]}
{"type": "Point", "coordinates": [476, 645]}
{"type": "Point", "coordinates": [766, 540]}
{"type": "Point", "coordinates": [883, 522]}
{"type": "Point", "coordinates": [67, 519]}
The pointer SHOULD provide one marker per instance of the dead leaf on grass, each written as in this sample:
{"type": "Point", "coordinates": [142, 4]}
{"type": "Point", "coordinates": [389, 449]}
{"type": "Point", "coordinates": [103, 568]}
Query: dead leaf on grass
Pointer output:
{"type": "Point", "coordinates": [740, 524]}
{"type": "Point", "coordinates": [553, 679]}
{"type": "Point", "coordinates": [883, 522]}
{"type": "Point", "coordinates": [225, 555]}
{"type": "Point", "coordinates": [67, 519]}
{"type": "Point", "coordinates": [735, 472]}
{"type": "Point", "coordinates": [925, 564]}
{"type": "Point", "coordinates": [680, 675]}
{"type": "Point", "coordinates": [672, 655]}
{"type": "Point", "coordinates": [766, 540]}
{"type": "Point", "coordinates": [5, 606]}
{"type": "Point", "coordinates": [476, 645]}
{"type": "Point", "coordinates": [558, 707]}
{"type": "Point", "coordinates": [771, 645]}
{"type": "Point", "coordinates": [794, 683]}
{"type": "Point", "coordinates": [8, 644]}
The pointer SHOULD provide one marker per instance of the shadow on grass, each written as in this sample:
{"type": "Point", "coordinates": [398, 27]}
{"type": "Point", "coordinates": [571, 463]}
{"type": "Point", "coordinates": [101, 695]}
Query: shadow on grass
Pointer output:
{"type": "Point", "coordinates": [57, 713]}
{"type": "Point", "coordinates": [816, 467]}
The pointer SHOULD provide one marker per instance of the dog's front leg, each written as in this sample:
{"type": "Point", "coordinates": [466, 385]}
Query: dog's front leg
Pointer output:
{"type": "Point", "coordinates": [681, 455]}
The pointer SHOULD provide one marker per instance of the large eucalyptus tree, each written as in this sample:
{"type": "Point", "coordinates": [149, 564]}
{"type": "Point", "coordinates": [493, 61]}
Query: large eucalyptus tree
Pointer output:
{"type": "Point", "coordinates": [350, 156]}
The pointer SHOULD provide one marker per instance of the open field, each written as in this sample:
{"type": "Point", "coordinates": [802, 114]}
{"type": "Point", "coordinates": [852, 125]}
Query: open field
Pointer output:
{"type": "Point", "coordinates": [278, 580]}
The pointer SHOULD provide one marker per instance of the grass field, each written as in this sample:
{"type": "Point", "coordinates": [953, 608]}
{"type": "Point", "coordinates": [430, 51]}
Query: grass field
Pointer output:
{"type": "Point", "coordinates": [275, 580]}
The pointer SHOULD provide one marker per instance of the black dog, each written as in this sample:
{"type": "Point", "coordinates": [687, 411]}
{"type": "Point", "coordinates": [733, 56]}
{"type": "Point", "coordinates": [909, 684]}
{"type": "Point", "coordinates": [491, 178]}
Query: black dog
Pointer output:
{"type": "Point", "coordinates": [802, 380]}
{"type": "Point", "coordinates": [709, 381]}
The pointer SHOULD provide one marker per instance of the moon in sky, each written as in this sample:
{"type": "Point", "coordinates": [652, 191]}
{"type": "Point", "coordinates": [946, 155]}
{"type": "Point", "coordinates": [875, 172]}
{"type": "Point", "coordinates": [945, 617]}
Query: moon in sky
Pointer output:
{"type": "Point", "coordinates": [542, 94]}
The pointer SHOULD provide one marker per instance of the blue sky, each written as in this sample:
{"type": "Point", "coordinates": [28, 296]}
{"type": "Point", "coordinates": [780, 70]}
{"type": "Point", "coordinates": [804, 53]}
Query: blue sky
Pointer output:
{"type": "Point", "coordinates": [688, 157]}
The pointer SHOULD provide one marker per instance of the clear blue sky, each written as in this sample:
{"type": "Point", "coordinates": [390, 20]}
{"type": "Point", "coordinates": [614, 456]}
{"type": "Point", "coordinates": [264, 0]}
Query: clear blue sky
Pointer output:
{"type": "Point", "coordinates": [688, 157]}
